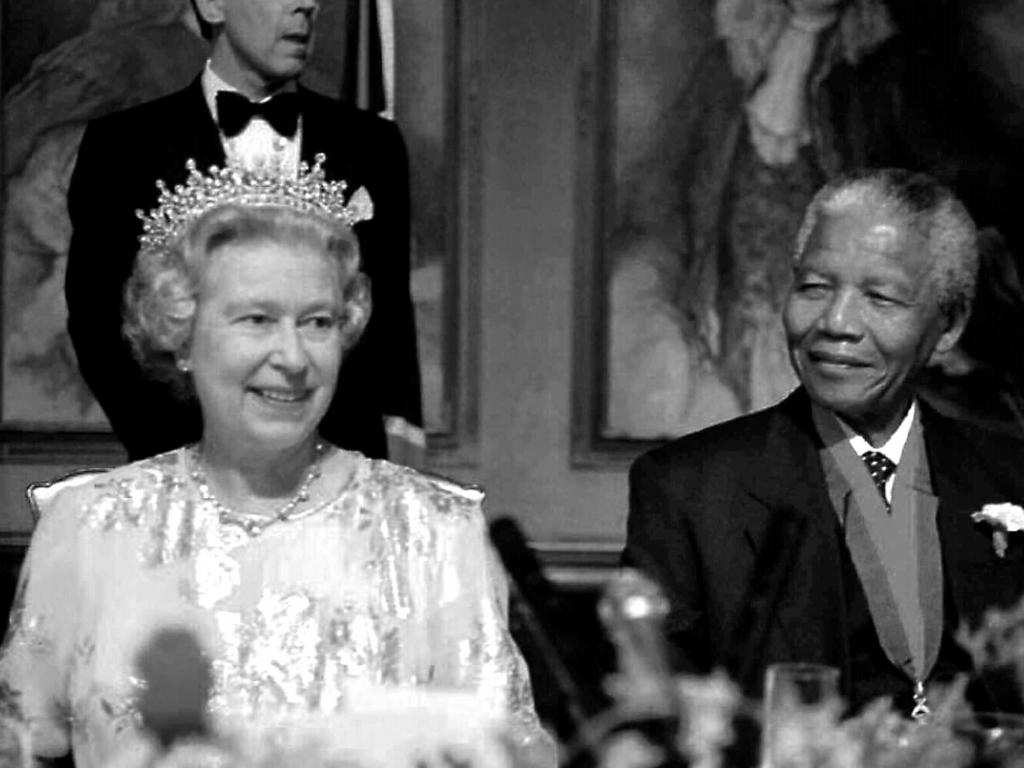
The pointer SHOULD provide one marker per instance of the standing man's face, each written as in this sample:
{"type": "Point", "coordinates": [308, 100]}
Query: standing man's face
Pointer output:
{"type": "Point", "coordinates": [262, 43]}
{"type": "Point", "coordinates": [862, 317]}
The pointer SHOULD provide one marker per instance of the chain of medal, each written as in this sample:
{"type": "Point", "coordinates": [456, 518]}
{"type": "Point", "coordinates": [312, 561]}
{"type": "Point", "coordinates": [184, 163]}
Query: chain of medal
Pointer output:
{"type": "Point", "coordinates": [921, 711]}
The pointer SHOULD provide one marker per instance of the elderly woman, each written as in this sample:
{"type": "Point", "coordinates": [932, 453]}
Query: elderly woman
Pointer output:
{"type": "Point", "coordinates": [300, 568]}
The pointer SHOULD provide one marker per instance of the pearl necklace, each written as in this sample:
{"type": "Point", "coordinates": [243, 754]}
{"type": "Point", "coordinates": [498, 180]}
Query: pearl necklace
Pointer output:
{"type": "Point", "coordinates": [254, 524]}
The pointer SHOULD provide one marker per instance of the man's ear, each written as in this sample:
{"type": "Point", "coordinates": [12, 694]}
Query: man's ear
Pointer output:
{"type": "Point", "coordinates": [954, 321]}
{"type": "Point", "coordinates": [210, 11]}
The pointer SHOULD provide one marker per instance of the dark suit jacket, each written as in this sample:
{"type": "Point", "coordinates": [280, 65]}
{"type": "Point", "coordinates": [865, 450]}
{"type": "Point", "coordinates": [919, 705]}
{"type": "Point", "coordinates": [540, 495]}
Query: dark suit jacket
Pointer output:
{"type": "Point", "coordinates": [121, 158]}
{"type": "Point", "coordinates": [736, 523]}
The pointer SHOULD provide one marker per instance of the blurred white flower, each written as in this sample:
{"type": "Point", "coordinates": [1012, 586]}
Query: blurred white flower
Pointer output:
{"type": "Point", "coordinates": [1004, 518]}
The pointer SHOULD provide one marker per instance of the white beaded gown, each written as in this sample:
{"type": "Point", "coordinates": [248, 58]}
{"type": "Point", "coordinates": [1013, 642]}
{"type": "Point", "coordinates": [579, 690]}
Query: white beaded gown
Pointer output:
{"type": "Point", "coordinates": [392, 581]}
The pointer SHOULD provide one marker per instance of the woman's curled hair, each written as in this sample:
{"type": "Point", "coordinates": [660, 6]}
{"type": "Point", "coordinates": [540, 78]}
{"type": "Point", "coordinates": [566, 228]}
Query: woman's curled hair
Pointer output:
{"type": "Point", "coordinates": [161, 296]}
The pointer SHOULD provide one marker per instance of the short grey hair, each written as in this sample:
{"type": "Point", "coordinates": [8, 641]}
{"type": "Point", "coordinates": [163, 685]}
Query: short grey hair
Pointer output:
{"type": "Point", "coordinates": [927, 206]}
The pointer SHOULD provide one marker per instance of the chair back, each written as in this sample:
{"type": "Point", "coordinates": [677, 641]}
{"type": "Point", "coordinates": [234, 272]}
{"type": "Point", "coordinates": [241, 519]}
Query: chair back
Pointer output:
{"type": "Point", "coordinates": [41, 494]}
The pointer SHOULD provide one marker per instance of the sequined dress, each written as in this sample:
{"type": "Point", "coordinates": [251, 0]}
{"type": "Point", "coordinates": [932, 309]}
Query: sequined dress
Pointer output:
{"type": "Point", "coordinates": [392, 581]}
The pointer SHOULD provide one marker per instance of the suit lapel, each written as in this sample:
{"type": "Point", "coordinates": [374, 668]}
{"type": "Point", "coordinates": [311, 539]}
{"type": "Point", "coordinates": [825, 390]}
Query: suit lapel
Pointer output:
{"type": "Point", "coordinates": [808, 621]}
{"type": "Point", "coordinates": [791, 493]}
{"type": "Point", "coordinates": [904, 609]}
{"type": "Point", "coordinates": [960, 476]}
{"type": "Point", "coordinates": [855, 497]}
{"type": "Point", "coordinates": [913, 487]}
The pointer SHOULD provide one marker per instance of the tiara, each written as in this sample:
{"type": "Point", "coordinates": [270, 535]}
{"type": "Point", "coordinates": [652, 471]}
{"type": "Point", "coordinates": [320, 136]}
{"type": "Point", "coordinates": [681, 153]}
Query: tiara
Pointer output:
{"type": "Point", "coordinates": [308, 192]}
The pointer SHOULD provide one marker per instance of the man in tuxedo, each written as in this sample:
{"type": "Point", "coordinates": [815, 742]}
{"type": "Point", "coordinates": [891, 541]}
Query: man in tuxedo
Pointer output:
{"type": "Point", "coordinates": [835, 527]}
{"type": "Point", "coordinates": [248, 107]}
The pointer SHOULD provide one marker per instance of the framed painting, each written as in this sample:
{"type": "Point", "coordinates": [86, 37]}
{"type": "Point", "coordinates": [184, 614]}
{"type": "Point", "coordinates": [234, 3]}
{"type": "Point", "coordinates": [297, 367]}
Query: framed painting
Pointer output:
{"type": "Point", "coordinates": [65, 62]}
{"type": "Point", "coordinates": [669, 338]}
{"type": "Point", "coordinates": [700, 151]}
{"type": "Point", "coordinates": [437, 84]}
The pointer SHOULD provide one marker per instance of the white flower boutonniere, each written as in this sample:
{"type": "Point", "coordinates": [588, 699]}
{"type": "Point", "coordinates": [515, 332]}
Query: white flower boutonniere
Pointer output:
{"type": "Point", "coordinates": [1004, 518]}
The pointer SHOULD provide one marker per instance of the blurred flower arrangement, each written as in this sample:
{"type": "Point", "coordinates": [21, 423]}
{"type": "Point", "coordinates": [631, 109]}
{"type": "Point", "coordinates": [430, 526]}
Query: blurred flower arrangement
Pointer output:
{"type": "Point", "coordinates": [657, 720]}
{"type": "Point", "coordinates": [998, 643]}
{"type": "Point", "coordinates": [818, 736]}
{"type": "Point", "coordinates": [663, 721]}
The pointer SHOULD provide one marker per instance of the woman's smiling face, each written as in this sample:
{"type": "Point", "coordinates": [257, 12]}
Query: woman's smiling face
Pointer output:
{"type": "Point", "coordinates": [266, 343]}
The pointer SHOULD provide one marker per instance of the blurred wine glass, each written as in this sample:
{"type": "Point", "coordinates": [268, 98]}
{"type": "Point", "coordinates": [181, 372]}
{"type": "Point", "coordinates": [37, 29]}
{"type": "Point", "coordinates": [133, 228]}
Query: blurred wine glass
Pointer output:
{"type": "Point", "coordinates": [796, 697]}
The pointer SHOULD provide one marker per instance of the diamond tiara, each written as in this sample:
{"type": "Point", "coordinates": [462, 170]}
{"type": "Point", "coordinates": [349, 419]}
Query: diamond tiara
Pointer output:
{"type": "Point", "coordinates": [308, 191]}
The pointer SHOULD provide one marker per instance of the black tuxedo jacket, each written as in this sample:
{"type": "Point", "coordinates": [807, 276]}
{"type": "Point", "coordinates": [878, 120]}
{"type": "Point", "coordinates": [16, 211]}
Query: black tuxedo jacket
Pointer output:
{"type": "Point", "coordinates": [120, 159]}
{"type": "Point", "coordinates": [736, 524]}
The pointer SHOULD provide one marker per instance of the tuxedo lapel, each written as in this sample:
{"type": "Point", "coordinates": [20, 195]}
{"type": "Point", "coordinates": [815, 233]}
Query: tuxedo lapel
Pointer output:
{"type": "Point", "coordinates": [324, 133]}
{"type": "Point", "coordinates": [194, 133]}
{"type": "Point", "coordinates": [167, 134]}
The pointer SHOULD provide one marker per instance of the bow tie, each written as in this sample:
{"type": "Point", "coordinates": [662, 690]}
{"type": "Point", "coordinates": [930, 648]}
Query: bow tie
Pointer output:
{"type": "Point", "coordinates": [234, 112]}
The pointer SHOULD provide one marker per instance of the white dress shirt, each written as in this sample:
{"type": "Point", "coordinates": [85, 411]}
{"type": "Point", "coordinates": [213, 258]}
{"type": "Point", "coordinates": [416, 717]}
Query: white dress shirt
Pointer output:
{"type": "Point", "coordinates": [892, 449]}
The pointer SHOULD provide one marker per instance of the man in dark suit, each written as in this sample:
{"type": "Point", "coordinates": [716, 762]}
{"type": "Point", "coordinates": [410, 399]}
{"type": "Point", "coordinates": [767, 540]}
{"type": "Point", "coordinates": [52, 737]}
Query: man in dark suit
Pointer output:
{"type": "Point", "coordinates": [835, 527]}
{"type": "Point", "coordinates": [259, 49]}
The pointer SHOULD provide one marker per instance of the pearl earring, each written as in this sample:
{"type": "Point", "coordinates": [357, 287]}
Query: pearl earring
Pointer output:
{"type": "Point", "coordinates": [183, 365]}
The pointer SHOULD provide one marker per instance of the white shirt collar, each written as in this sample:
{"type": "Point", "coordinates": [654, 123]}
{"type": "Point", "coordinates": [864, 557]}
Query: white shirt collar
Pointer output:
{"type": "Point", "coordinates": [212, 82]}
{"type": "Point", "coordinates": [893, 447]}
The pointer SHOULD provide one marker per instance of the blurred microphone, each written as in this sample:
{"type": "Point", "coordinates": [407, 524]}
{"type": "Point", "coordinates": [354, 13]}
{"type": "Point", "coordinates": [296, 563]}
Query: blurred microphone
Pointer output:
{"type": "Point", "coordinates": [523, 566]}
{"type": "Point", "coordinates": [177, 681]}
{"type": "Point", "coordinates": [535, 605]}
{"type": "Point", "coordinates": [633, 611]}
